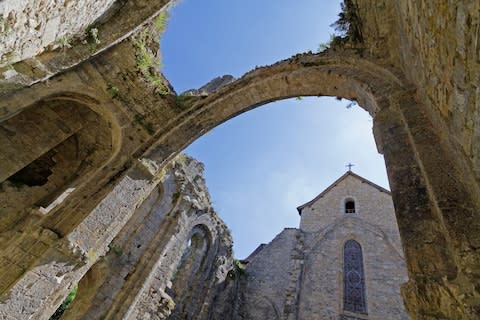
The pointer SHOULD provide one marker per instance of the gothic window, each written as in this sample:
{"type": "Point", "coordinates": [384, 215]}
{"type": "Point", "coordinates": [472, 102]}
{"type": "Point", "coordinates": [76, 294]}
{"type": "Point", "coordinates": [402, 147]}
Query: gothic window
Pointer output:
{"type": "Point", "coordinates": [350, 206]}
{"type": "Point", "coordinates": [354, 299]}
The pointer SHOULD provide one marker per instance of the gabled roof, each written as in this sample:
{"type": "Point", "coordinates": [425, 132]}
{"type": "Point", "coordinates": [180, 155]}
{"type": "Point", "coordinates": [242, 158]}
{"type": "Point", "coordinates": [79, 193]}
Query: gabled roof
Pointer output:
{"type": "Point", "coordinates": [330, 187]}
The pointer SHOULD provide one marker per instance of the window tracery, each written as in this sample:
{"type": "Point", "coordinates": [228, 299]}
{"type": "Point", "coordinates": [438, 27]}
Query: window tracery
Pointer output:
{"type": "Point", "coordinates": [354, 299]}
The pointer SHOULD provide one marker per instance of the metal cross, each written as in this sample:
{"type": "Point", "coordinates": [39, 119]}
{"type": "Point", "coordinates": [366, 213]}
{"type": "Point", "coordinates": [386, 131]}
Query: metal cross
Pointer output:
{"type": "Point", "coordinates": [350, 165]}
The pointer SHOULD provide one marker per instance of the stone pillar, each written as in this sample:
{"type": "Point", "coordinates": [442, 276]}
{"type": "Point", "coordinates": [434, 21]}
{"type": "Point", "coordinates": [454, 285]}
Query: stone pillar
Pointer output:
{"type": "Point", "coordinates": [437, 212]}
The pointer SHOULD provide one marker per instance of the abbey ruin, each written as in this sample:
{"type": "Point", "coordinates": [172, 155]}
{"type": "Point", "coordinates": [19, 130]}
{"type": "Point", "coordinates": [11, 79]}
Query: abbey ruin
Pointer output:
{"type": "Point", "coordinates": [89, 128]}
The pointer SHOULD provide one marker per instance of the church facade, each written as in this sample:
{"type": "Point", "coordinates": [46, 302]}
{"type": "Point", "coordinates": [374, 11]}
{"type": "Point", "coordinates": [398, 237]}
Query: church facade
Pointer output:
{"type": "Point", "coordinates": [344, 262]}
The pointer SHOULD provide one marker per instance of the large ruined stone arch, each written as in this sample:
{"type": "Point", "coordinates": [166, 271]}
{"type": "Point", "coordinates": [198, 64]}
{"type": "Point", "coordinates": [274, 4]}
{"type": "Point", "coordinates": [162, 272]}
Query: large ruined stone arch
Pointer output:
{"type": "Point", "coordinates": [401, 124]}
{"type": "Point", "coordinates": [418, 80]}
{"type": "Point", "coordinates": [338, 74]}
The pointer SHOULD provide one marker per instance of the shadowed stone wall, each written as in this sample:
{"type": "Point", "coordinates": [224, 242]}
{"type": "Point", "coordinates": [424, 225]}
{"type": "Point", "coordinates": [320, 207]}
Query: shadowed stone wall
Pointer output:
{"type": "Point", "coordinates": [415, 70]}
{"type": "Point", "coordinates": [167, 261]}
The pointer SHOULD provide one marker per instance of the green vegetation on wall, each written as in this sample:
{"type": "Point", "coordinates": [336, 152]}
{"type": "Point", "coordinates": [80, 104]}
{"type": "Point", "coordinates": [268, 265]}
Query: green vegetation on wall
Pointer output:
{"type": "Point", "coordinates": [348, 24]}
{"type": "Point", "coordinates": [148, 56]}
{"type": "Point", "coordinates": [68, 300]}
{"type": "Point", "coordinates": [348, 27]}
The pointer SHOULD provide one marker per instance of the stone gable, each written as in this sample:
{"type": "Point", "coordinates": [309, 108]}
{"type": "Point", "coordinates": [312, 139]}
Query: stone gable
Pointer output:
{"type": "Point", "coordinates": [300, 274]}
{"type": "Point", "coordinates": [373, 204]}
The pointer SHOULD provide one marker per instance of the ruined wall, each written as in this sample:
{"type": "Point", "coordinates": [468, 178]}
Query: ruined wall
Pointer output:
{"type": "Point", "coordinates": [268, 277]}
{"type": "Point", "coordinates": [27, 28]}
{"type": "Point", "coordinates": [416, 71]}
{"type": "Point", "coordinates": [437, 48]}
{"type": "Point", "coordinates": [147, 272]}
{"type": "Point", "coordinates": [441, 55]}
{"type": "Point", "coordinates": [42, 38]}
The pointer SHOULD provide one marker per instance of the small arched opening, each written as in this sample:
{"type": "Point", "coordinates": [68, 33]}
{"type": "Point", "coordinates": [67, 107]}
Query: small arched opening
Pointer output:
{"type": "Point", "coordinates": [48, 150]}
{"type": "Point", "coordinates": [187, 277]}
{"type": "Point", "coordinates": [349, 206]}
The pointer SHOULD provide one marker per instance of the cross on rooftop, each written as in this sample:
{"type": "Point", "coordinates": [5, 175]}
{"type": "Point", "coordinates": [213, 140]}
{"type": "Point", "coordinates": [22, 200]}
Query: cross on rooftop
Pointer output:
{"type": "Point", "coordinates": [350, 165]}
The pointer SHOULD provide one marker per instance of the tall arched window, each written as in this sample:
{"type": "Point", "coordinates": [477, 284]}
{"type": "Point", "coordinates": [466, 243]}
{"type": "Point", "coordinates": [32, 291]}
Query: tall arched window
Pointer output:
{"type": "Point", "coordinates": [354, 299]}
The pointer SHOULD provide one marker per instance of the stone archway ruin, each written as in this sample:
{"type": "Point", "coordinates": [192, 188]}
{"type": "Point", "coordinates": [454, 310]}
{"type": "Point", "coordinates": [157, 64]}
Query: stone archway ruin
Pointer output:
{"type": "Point", "coordinates": [422, 96]}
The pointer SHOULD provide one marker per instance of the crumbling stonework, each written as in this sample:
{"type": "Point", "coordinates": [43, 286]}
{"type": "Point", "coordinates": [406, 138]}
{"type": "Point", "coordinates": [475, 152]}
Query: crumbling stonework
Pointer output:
{"type": "Point", "coordinates": [141, 275]}
{"type": "Point", "coordinates": [29, 27]}
{"type": "Point", "coordinates": [415, 70]}
{"type": "Point", "coordinates": [211, 87]}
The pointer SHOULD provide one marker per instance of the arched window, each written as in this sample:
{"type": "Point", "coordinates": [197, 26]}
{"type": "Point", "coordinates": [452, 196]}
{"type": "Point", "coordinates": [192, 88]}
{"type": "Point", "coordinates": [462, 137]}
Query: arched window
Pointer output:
{"type": "Point", "coordinates": [354, 299]}
{"type": "Point", "coordinates": [350, 206]}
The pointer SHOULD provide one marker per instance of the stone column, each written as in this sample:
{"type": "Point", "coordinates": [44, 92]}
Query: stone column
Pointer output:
{"type": "Point", "coordinates": [436, 209]}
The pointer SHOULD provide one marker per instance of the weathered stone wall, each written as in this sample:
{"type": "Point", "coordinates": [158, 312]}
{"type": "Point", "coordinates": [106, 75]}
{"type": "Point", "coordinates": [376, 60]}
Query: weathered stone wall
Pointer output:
{"type": "Point", "coordinates": [263, 293]}
{"type": "Point", "coordinates": [28, 27]}
{"type": "Point", "coordinates": [299, 275]}
{"type": "Point", "coordinates": [441, 55]}
{"type": "Point", "coordinates": [372, 206]}
{"type": "Point", "coordinates": [141, 276]}
{"type": "Point", "coordinates": [69, 32]}
{"type": "Point", "coordinates": [416, 72]}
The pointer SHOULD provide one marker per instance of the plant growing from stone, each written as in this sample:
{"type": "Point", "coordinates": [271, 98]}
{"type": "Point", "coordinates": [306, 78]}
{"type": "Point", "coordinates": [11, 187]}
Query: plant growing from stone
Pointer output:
{"type": "Point", "coordinates": [348, 24]}
{"type": "Point", "coordinates": [68, 300]}
{"type": "Point", "coordinates": [147, 53]}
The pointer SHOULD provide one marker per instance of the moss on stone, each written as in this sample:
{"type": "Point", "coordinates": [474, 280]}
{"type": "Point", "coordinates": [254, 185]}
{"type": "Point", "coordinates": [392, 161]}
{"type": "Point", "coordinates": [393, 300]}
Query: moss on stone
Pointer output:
{"type": "Point", "coordinates": [147, 54]}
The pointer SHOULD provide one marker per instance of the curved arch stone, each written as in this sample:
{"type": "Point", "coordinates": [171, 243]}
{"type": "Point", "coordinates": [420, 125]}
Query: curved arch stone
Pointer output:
{"type": "Point", "coordinates": [424, 126]}
{"type": "Point", "coordinates": [336, 74]}
{"type": "Point", "coordinates": [405, 133]}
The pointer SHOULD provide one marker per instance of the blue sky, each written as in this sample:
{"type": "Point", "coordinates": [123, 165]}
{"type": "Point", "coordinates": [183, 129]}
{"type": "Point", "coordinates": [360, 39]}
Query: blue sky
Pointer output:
{"type": "Point", "coordinates": [264, 163]}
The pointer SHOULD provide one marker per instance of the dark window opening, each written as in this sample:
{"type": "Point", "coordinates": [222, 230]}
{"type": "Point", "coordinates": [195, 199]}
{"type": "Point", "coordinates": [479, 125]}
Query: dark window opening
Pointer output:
{"type": "Point", "coordinates": [36, 173]}
{"type": "Point", "coordinates": [350, 206]}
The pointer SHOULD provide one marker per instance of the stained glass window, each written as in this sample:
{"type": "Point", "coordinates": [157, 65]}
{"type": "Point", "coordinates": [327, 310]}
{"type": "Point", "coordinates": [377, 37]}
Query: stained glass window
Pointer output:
{"type": "Point", "coordinates": [353, 278]}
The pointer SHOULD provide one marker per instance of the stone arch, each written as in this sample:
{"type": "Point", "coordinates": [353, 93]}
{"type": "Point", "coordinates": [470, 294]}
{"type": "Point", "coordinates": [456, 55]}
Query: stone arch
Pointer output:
{"type": "Point", "coordinates": [49, 149]}
{"type": "Point", "coordinates": [420, 161]}
{"type": "Point", "coordinates": [342, 75]}
{"type": "Point", "coordinates": [189, 272]}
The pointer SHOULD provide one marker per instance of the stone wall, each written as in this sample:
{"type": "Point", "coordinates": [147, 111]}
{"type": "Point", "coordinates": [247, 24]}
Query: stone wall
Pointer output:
{"type": "Point", "coordinates": [372, 205]}
{"type": "Point", "coordinates": [263, 292]}
{"type": "Point", "coordinates": [147, 273]}
{"type": "Point", "coordinates": [29, 27]}
{"type": "Point", "coordinates": [442, 57]}
{"type": "Point", "coordinates": [321, 295]}
{"type": "Point", "coordinates": [299, 275]}
{"type": "Point", "coordinates": [416, 72]}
